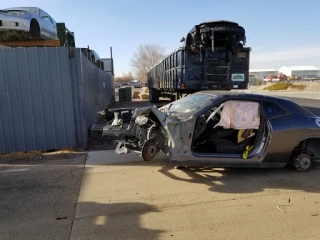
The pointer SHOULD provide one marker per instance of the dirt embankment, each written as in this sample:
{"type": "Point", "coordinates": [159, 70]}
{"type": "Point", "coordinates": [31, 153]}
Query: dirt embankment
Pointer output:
{"type": "Point", "coordinates": [309, 86]}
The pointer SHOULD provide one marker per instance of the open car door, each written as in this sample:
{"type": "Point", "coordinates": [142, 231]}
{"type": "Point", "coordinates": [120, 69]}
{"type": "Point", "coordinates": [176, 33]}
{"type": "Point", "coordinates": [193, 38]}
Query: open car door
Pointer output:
{"type": "Point", "coordinates": [232, 132]}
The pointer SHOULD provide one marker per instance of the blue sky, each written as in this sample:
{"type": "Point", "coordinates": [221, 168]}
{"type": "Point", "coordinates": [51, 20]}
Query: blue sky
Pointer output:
{"type": "Point", "coordinates": [279, 32]}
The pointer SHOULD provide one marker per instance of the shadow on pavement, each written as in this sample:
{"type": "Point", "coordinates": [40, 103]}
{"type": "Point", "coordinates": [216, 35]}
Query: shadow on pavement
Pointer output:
{"type": "Point", "coordinates": [232, 180]}
{"type": "Point", "coordinates": [114, 221]}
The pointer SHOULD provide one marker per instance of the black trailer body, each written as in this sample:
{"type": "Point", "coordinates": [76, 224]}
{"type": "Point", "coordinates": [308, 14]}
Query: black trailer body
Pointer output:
{"type": "Point", "coordinates": [212, 58]}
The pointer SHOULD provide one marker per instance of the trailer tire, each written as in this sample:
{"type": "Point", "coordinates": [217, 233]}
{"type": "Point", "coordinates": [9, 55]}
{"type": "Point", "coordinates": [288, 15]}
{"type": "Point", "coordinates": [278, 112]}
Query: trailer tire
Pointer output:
{"type": "Point", "coordinates": [153, 95]}
{"type": "Point", "coordinates": [173, 97]}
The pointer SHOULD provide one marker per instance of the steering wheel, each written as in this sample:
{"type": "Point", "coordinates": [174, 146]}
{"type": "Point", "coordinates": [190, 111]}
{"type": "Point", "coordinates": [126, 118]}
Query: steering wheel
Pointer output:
{"type": "Point", "coordinates": [213, 114]}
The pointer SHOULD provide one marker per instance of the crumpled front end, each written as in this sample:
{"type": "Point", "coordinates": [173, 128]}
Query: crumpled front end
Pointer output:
{"type": "Point", "coordinates": [145, 130]}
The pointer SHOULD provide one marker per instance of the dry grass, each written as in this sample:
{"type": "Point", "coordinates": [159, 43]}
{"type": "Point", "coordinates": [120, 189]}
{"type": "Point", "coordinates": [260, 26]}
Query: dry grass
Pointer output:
{"type": "Point", "coordinates": [298, 87]}
{"type": "Point", "coordinates": [278, 86]}
{"type": "Point", "coordinates": [30, 155]}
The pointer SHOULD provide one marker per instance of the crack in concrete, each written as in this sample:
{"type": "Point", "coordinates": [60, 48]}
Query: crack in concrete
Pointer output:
{"type": "Point", "coordinates": [79, 187]}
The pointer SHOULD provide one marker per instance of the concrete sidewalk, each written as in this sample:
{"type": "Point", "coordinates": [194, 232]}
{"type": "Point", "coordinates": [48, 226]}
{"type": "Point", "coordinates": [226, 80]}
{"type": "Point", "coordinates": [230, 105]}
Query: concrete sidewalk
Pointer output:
{"type": "Point", "coordinates": [123, 197]}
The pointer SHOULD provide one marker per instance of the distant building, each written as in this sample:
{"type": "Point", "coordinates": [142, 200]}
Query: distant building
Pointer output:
{"type": "Point", "coordinates": [301, 71]}
{"type": "Point", "coordinates": [262, 73]}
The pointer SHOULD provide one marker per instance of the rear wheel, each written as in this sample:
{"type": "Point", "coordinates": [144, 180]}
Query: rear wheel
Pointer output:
{"type": "Point", "coordinates": [34, 29]}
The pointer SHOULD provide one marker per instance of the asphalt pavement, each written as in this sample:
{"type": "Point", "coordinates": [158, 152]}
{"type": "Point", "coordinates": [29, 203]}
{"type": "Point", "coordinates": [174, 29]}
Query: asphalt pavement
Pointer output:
{"type": "Point", "coordinates": [38, 197]}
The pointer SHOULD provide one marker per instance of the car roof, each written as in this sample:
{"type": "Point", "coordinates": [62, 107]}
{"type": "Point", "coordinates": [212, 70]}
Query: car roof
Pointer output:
{"type": "Point", "coordinates": [287, 104]}
{"type": "Point", "coordinates": [23, 8]}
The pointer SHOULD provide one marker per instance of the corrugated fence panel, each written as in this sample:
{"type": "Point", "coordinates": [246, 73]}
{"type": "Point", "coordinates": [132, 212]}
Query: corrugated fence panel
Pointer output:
{"type": "Point", "coordinates": [36, 110]}
{"type": "Point", "coordinates": [93, 89]}
{"type": "Point", "coordinates": [48, 100]}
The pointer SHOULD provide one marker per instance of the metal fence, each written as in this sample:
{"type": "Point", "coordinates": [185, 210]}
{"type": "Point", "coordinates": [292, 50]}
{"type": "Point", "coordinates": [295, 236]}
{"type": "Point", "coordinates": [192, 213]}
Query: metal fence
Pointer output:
{"type": "Point", "coordinates": [93, 90]}
{"type": "Point", "coordinates": [48, 100]}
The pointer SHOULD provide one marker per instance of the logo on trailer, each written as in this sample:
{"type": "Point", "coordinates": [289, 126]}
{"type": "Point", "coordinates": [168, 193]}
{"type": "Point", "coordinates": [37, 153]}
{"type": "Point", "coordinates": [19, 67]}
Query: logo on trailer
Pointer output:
{"type": "Point", "coordinates": [237, 77]}
{"type": "Point", "coordinates": [318, 122]}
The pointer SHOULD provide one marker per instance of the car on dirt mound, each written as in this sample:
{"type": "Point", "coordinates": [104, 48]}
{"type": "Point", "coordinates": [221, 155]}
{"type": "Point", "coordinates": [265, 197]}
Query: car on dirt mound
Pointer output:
{"type": "Point", "coordinates": [24, 23]}
{"type": "Point", "coordinates": [219, 129]}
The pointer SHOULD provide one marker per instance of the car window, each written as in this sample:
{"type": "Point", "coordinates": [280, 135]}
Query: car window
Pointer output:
{"type": "Point", "coordinates": [46, 18]}
{"type": "Point", "coordinates": [188, 105]}
{"type": "Point", "coordinates": [273, 110]}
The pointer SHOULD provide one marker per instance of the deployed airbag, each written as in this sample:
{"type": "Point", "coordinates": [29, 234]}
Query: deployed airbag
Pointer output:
{"type": "Point", "coordinates": [240, 115]}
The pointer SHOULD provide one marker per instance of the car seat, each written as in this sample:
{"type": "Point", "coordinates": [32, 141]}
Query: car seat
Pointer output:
{"type": "Point", "coordinates": [230, 140]}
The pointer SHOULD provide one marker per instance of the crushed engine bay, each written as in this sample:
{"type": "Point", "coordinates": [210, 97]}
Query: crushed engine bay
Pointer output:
{"type": "Point", "coordinates": [146, 130]}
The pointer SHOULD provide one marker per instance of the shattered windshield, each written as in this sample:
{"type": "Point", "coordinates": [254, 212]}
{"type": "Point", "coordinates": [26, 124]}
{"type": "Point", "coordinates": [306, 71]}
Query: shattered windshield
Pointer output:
{"type": "Point", "coordinates": [188, 105]}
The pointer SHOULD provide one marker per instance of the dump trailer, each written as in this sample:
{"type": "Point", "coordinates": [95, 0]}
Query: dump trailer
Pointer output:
{"type": "Point", "coordinates": [213, 57]}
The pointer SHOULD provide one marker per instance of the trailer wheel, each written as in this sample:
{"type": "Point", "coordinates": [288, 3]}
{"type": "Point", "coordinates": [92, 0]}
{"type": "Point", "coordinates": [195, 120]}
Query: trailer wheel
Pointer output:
{"type": "Point", "coordinates": [173, 97]}
{"type": "Point", "coordinates": [153, 95]}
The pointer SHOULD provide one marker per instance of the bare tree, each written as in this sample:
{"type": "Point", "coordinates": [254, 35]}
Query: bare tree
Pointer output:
{"type": "Point", "coordinates": [146, 56]}
{"type": "Point", "coordinates": [126, 77]}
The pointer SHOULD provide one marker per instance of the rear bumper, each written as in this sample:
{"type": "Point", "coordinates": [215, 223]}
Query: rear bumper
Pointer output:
{"type": "Point", "coordinates": [14, 23]}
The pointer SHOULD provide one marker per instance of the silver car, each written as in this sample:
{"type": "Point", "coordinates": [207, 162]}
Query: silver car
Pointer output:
{"type": "Point", "coordinates": [22, 23]}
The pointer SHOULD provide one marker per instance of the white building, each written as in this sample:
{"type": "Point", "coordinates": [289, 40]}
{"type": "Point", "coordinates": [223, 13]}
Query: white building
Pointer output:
{"type": "Point", "coordinates": [301, 71]}
{"type": "Point", "coordinates": [263, 73]}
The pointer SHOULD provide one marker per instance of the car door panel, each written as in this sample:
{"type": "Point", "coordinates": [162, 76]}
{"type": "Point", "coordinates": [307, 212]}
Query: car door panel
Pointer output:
{"type": "Point", "coordinates": [47, 25]}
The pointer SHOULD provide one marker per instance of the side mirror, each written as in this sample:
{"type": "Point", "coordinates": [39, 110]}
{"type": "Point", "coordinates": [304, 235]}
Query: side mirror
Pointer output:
{"type": "Point", "coordinates": [182, 39]}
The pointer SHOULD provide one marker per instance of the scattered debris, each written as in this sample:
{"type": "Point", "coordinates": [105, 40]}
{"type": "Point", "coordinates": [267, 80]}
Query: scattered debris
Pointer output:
{"type": "Point", "coordinates": [280, 209]}
{"type": "Point", "coordinates": [39, 155]}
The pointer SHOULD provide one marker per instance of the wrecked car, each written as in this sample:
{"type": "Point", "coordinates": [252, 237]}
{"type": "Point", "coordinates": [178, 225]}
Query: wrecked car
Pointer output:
{"type": "Point", "coordinates": [23, 23]}
{"type": "Point", "coordinates": [219, 129]}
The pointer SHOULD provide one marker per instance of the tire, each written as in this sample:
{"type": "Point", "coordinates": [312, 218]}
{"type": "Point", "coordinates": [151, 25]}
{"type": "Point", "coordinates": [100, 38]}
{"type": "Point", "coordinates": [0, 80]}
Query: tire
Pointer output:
{"type": "Point", "coordinates": [153, 95]}
{"type": "Point", "coordinates": [34, 31]}
{"type": "Point", "coordinates": [173, 97]}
